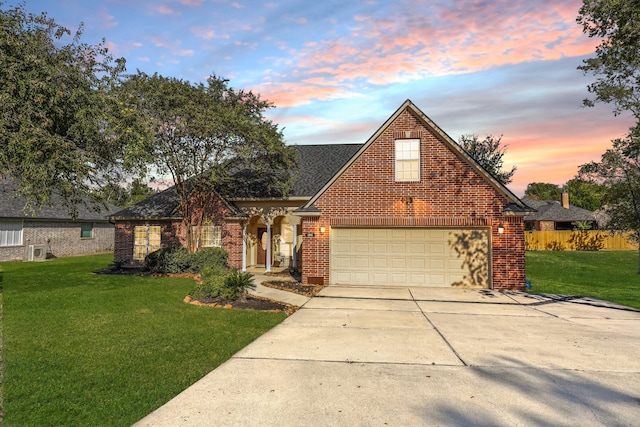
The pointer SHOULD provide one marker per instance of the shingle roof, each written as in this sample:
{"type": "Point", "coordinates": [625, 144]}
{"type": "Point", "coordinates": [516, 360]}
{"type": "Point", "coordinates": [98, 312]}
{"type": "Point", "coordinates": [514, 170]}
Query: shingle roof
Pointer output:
{"type": "Point", "coordinates": [159, 205]}
{"type": "Point", "coordinates": [317, 164]}
{"type": "Point", "coordinates": [12, 207]}
{"type": "Point", "coordinates": [553, 211]}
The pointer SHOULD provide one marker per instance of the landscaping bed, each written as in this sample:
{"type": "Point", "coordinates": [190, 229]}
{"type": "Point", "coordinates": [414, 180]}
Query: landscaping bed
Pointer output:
{"type": "Point", "coordinates": [295, 287]}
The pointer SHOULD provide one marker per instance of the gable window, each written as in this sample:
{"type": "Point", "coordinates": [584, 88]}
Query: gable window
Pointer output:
{"type": "Point", "coordinates": [86, 230]}
{"type": "Point", "coordinates": [146, 239]}
{"type": "Point", "coordinates": [10, 233]}
{"type": "Point", "coordinates": [211, 236]}
{"type": "Point", "coordinates": [407, 160]}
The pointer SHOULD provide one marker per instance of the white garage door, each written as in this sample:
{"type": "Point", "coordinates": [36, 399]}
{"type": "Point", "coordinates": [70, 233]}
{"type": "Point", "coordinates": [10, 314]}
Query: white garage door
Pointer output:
{"type": "Point", "coordinates": [419, 257]}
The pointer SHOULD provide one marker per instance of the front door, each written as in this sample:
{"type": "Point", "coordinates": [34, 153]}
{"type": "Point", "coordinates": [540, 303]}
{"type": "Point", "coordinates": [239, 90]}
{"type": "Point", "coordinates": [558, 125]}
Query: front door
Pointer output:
{"type": "Point", "coordinates": [261, 257]}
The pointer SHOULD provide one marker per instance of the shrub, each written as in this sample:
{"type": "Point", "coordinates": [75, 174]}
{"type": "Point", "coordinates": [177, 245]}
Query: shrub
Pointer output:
{"type": "Point", "coordinates": [215, 257]}
{"type": "Point", "coordinates": [222, 283]}
{"type": "Point", "coordinates": [239, 282]}
{"type": "Point", "coordinates": [168, 260]}
{"type": "Point", "coordinates": [179, 260]}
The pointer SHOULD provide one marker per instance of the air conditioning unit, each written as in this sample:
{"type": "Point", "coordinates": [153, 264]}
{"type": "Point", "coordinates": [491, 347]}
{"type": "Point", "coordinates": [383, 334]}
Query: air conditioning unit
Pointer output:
{"type": "Point", "coordinates": [37, 252]}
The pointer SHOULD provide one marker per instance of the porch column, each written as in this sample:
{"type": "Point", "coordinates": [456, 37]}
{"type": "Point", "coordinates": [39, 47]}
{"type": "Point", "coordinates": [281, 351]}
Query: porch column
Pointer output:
{"type": "Point", "coordinates": [244, 246]}
{"type": "Point", "coordinates": [268, 260]}
{"type": "Point", "coordinates": [294, 261]}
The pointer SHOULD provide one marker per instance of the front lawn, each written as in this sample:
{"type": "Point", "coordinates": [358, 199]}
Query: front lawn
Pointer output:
{"type": "Point", "coordinates": [82, 349]}
{"type": "Point", "coordinates": [610, 276]}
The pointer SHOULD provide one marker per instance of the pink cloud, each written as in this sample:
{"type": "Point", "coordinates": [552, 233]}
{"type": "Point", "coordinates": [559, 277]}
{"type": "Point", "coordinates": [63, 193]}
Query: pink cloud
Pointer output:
{"type": "Point", "coordinates": [203, 33]}
{"type": "Point", "coordinates": [192, 2]}
{"type": "Point", "coordinates": [452, 40]}
{"type": "Point", "coordinates": [165, 9]}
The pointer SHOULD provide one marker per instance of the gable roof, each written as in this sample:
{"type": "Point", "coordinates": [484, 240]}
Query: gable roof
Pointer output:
{"type": "Point", "coordinates": [514, 207]}
{"type": "Point", "coordinates": [552, 210]}
{"type": "Point", "coordinates": [12, 207]}
{"type": "Point", "coordinates": [316, 165]}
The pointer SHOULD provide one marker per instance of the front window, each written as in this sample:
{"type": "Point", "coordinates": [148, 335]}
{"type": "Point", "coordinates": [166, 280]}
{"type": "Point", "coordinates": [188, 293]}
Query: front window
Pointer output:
{"type": "Point", "coordinates": [146, 240]}
{"type": "Point", "coordinates": [211, 236]}
{"type": "Point", "coordinates": [407, 160]}
{"type": "Point", "coordinates": [10, 233]}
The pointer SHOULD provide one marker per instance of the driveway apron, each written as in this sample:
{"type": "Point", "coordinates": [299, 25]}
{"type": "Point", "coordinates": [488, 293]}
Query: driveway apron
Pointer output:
{"type": "Point", "coordinates": [358, 356]}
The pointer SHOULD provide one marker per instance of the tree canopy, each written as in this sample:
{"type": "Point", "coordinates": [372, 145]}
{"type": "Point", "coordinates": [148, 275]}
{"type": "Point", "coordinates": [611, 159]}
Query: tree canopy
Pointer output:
{"type": "Point", "coordinates": [585, 194]}
{"type": "Point", "coordinates": [618, 171]}
{"type": "Point", "coordinates": [489, 154]}
{"type": "Point", "coordinates": [57, 110]}
{"type": "Point", "coordinates": [543, 191]}
{"type": "Point", "coordinates": [617, 61]}
{"type": "Point", "coordinates": [207, 138]}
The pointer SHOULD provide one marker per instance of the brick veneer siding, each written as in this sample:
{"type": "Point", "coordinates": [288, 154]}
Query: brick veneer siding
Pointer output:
{"type": "Point", "coordinates": [173, 233]}
{"type": "Point", "coordinates": [62, 238]}
{"type": "Point", "coordinates": [450, 194]}
{"type": "Point", "coordinates": [170, 236]}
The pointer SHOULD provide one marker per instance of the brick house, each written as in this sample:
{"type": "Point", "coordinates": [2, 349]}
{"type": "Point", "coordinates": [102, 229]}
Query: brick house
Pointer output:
{"type": "Point", "coordinates": [557, 215]}
{"type": "Point", "coordinates": [407, 208]}
{"type": "Point", "coordinates": [50, 231]}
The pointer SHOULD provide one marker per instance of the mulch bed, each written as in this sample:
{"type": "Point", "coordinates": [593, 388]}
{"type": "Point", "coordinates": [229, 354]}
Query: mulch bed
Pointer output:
{"type": "Point", "coordinates": [248, 303]}
{"type": "Point", "coordinates": [295, 287]}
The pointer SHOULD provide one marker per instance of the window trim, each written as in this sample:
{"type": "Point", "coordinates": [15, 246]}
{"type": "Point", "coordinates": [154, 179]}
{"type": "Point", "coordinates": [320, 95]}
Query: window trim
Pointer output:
{"type": "Point", "coordinates": [404, 155]}
{"type": "Point", "coordinates": [83, 230]}
{"type": "Point", "coordinates": [147, 245]}
{"type": "Point", "coordinates": [6, 229]}
{"type": "Point", "coordinates": [215, 241]}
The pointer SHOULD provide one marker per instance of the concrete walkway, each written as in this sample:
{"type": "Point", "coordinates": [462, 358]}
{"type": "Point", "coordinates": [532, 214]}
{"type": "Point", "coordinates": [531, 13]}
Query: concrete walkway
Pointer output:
{"type": "Point", "coordinates": [405, 357]}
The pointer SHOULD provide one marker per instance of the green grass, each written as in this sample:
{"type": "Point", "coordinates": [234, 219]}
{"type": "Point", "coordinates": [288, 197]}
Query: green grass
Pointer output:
{"type": "Point", "coordinates": [83, 349]}
{"type": "Point", "coordinates": [611, 276]}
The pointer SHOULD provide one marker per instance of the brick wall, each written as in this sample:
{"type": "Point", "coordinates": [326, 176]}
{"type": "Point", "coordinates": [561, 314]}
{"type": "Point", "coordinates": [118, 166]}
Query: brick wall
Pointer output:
{"type": "Point", "coordinates": [450, 194]}
{"type": "Point", "coordinates": [61, 238]}
{"type": "Point", "coordinates": [173, 233]}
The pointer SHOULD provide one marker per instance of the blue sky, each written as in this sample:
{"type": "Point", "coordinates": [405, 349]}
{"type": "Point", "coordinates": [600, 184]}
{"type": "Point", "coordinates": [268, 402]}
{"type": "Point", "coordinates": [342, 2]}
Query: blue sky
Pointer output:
{"type": "Point", "coordinates": [336, 70]}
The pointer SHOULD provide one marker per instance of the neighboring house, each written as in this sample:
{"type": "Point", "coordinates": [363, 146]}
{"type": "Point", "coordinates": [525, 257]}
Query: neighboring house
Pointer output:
{"type": "Point", "coordinates": [407, 208]}
{"type": "Point", "coordinates": [50, 232]}
{"type": "Point", "coordinates": [557, 215]}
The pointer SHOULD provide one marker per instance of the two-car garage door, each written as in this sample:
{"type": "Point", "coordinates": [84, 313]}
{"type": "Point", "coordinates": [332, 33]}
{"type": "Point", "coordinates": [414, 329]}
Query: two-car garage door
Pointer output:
{"type": "Point", "coordinates": [418, 257]}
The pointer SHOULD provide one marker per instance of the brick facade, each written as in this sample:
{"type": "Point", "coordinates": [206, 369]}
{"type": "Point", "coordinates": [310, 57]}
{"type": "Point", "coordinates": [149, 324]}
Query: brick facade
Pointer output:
{"type": "Point", "coordinates": [450, 194]}
{"type": "Point", "coordinates": [62, 238]}
{"type": "Point", "coordinates": [173, 233]}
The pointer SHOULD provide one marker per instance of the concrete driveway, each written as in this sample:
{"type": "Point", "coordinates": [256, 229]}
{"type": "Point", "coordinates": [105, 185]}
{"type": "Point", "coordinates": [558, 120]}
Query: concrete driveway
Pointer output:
{"type": "Point", "coordinates": [399, 357]}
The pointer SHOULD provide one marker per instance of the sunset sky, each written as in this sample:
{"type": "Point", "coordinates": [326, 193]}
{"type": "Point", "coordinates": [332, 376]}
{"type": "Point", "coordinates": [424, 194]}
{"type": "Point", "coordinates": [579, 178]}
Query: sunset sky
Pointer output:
{"type": "Point", "coordinates": [336, 70]}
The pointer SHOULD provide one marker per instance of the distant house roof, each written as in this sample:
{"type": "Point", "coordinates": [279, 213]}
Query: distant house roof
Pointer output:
{"type": "Point", "coordinates": [12, 207]}
{"type": "Point", "coordinates": [551, 210]}
{"type": "Point", "coordinates": [316, 165]}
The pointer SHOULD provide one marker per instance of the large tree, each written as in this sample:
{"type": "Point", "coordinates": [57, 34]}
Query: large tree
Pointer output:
{"type": "Point", "coordinates": [207, 138]}
{"type": "Point", "coordinates": [57, 110]}
{"type": "Point", "coordinates": [619, 172]}
{"type": "Point", "coordinates": [543, 191]}
{"type": "Point", "coordinates": [488, 153]}
{"type": "Point", "coordinates": [617, 61]}
{"type": "Point", "coordinates": [585, 194]}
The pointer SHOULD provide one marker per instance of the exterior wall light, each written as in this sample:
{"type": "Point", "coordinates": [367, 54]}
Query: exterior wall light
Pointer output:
{"type": "Point", "coordinates": [500, 229]}
{"type": "Point", "coordinates": [322, 229]}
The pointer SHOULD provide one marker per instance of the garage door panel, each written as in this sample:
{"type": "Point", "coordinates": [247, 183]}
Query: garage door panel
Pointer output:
{"type": "Point", "coordinates": [361, 262]}
{"type": "Point", "coordinates": [406, 256]}
{"type": "Point", "coordinates": [380, 262]}
{"type": "Point", "coordinates": [397, 248]}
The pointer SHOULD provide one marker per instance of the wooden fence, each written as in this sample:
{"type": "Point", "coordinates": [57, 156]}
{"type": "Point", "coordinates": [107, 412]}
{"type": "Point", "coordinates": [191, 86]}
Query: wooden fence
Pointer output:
{"type": "Point", "coordinates": [577, 240]}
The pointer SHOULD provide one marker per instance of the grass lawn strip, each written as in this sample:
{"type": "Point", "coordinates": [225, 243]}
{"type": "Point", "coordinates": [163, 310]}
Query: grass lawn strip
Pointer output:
{"type": "Point", "coordinates": [606, 275]}
{"type": "Point", "coordinates": [85, 349]}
